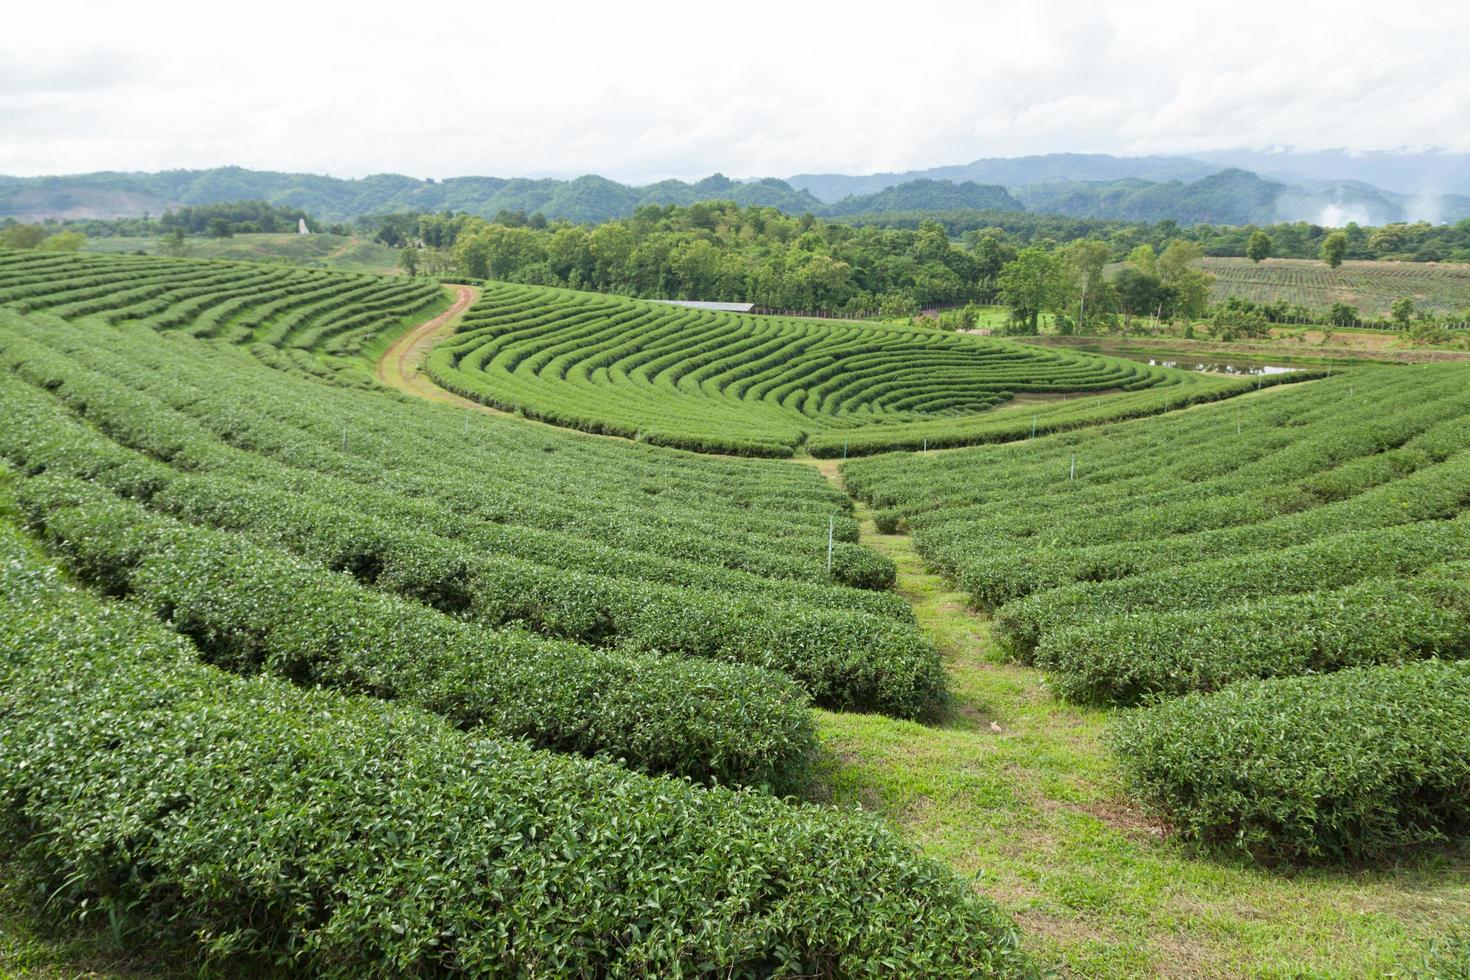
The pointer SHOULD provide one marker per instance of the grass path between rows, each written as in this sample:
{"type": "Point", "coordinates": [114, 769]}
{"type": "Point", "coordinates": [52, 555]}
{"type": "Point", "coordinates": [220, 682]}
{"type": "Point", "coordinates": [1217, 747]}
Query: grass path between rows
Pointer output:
{"type": "Point", "coordinates": [1018, 789]}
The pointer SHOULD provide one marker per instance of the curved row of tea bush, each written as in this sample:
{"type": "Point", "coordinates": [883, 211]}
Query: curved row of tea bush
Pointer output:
{"type": "Point", "coordinates": [248, 608]}
{"type": "Point", "coordinates": [671, 500]}
{"type": "Point", "coordinates": [844, 658]}
{"type": "Point", "coordinates": [1347, 765]}
{"type": "Point", "coordinates": [336, 315]}
{"type": "Point", "coordinates": [720, 382]}
{"type": "Point", "coordinates": [1292, 570]}
{"type": "Point", "coordinates": [1126, 659]}
{"type": "Point", "coordinates": [349, 837]}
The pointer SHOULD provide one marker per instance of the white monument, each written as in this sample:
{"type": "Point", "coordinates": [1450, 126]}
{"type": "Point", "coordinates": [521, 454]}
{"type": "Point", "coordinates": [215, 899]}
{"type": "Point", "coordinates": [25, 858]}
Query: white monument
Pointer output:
{"type": "Point", "coordinates": [301, 228]}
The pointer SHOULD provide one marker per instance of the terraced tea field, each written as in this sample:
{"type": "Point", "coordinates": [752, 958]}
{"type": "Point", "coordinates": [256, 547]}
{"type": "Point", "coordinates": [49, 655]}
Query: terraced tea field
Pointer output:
{"type": "Point", "coordinates": [765, 386]}
{"type": "Point", "coordinates": [1372, 287]}
{"type": "Point", "coordinates": [299, 673]}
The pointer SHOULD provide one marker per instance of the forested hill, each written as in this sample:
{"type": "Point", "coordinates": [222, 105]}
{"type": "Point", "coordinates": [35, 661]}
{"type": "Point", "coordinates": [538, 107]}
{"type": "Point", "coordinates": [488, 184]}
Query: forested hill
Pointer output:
{"type": "Point", "coordinates": [1227, 197]}
{"type": "Point", "coordinates": [587, 199]}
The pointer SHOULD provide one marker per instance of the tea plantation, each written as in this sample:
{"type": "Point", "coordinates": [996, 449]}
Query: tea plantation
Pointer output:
{"type": "Point", "coordinates": [763, 386]}
{"type": "Point", "coordinates": [311, 676]}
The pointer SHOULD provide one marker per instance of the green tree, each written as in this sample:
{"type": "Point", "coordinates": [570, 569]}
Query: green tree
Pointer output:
{"type": "Point", "coordinates": [1036, 281]}
{"type": "Point", "coordinates": [408, 260]}
{"type": "Point", "coordinates": [1189, 284]}
{"type": "Point", "coordinates": [219, 228]}
{"type": "Point", "coordinates": [1086, 259]}
{"type": "Point", "coordinates": [1334, 248]}
{"type": "Point", "coordinates": [1342, 315]}
{"type": "Point", "coordinates": [1144, 259]}
{"type": "Point", "coordinates": [1231, 323]}
{"type": "Point", "coordinates": [173, 243]}
{"type": "Point", "coordinates": [1259, 246]}
{"type": "Point", "coordinates": [1402, 312]}
{"type": "Point", "coordinates": [64, 241]}
{"type": "Point", "coordinates": [1139, 293]}
{"type": "Point", "coordinates": [22, 236]}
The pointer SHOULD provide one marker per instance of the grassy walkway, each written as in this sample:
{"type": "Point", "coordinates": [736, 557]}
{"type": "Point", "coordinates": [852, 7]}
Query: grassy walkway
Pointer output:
{"type": "Point", "coordinates": [1018, 789]}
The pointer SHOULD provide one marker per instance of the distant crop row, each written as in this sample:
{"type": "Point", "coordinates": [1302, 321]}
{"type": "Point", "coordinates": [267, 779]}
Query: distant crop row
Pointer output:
{"type": "Point", "coordinates": [763, 386]}
{"type": "Point", "coordinates": [333, 314]}
{"type": "Point", "coordinates": [1372, 287]}
{"type": "Point", "coordinates": [1225, 552]}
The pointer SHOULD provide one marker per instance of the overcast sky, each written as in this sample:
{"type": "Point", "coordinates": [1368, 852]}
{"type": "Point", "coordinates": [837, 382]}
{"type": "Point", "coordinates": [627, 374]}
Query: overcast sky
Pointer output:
{"type": "Point", "coordinates": [640, 91]}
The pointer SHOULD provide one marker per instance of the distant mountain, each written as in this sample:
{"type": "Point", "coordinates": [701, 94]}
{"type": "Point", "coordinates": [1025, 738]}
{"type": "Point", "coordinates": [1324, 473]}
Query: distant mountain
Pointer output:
{"type": "Point", "coordinates": [1079, 185]}
{"type": "Point", "coordinates": [928, 195]}
{"type": "Point", "coordinates": [585, 199]}
{"type": "Point", "coordinates": [1238, 197]}
{"type": "Point", "coordinates": [1414, 174]}
{"type": "Point", "coordinates": [1013, 172]}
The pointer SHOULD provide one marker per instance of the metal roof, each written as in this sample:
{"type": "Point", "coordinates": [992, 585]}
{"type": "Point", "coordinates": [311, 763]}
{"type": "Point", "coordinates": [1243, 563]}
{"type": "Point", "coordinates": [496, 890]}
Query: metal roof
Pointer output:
{"type": "Point", "coordinates": [698, 304]}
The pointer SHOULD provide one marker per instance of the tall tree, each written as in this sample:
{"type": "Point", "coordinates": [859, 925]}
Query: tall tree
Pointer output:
{"type": "Point", "coordinates": [1086, 259]}
{"type": "Point", "coordinates": [1036, 281]}
{"type": "Point", "coordinates": [1259, 246]}
{"type": "Point", "coordinates": [1334, 248]}
{"type": "Point", "coordinates": [1189, 284]}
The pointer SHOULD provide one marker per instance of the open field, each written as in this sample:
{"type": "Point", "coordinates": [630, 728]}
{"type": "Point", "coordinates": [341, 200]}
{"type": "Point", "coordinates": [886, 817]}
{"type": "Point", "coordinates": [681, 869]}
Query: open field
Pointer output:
{"type": "Point", "coordinates": [1372, 287]}
{"type": "Point", "coordinates": [406, 688]}
{"type": "Point", "coordinates": [340, 252]}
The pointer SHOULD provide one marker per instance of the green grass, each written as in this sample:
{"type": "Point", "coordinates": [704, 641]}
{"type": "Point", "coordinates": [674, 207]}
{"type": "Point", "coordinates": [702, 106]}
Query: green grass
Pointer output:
{"type": "Point", "coordinates": [1372, 287]}
{"type": "Point", "coordinates": [342, 252]}
{"type": "Point", "coordinates": [1036, 810]}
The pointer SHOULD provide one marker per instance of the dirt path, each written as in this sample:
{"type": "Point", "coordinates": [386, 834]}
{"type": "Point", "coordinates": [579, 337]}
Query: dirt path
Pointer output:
{"type": "Point", "coordinates": [401, 365]}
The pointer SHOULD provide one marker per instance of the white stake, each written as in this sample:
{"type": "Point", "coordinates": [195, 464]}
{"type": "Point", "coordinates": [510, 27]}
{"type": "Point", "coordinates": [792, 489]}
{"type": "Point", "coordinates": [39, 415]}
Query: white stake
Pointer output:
{"type": "Point", "coordinates": [831, 521]}
{"type": "Point", "coordinates": [1074, 469]}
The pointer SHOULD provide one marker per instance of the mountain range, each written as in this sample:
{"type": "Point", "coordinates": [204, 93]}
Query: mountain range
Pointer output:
{"type": "Point", "coordinates": [1187, 190]}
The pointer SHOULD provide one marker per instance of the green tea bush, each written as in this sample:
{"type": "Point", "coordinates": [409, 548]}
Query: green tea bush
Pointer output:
{"type": "Point", "coordinates": [1349, 765]}
{"type": "Point", "coordinates": [349, 837]}
{"type": "Point", "coordinates": [1124, 659]}
{"type": "Point", "coordinates": [248, 608]}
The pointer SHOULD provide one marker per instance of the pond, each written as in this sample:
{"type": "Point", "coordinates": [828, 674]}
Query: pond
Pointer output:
{"type": "Point", "coordinates": [1213, 367]}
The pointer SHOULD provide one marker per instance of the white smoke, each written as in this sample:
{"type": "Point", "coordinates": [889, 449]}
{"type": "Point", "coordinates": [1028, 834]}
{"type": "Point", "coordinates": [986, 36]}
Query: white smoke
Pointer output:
{"type": "Point", "coordinates": [1338, 215]}
{"type": "Point", "coordinates": [1426, 205]}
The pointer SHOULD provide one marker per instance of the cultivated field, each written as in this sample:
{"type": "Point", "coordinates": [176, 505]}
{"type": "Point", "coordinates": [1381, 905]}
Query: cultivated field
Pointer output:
{"type": "Point", "coordinates": [297, 671]}
{"type": "Point", "coordinates": [1372, 287]}
{"type": "Point", "coordinates": [764, 386]}
{"type": "Point", "coordinates": [319, 251]}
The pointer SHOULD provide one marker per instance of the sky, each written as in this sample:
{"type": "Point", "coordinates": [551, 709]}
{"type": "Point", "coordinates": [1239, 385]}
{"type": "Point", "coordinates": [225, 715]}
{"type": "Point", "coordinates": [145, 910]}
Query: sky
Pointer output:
{"type": "Point", "coordinates": [639, 91]}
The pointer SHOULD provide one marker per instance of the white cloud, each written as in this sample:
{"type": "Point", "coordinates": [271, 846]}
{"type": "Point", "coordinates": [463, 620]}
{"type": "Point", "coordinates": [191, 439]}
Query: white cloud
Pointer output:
{"type": "Point", "coordinates": [643, 90]}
